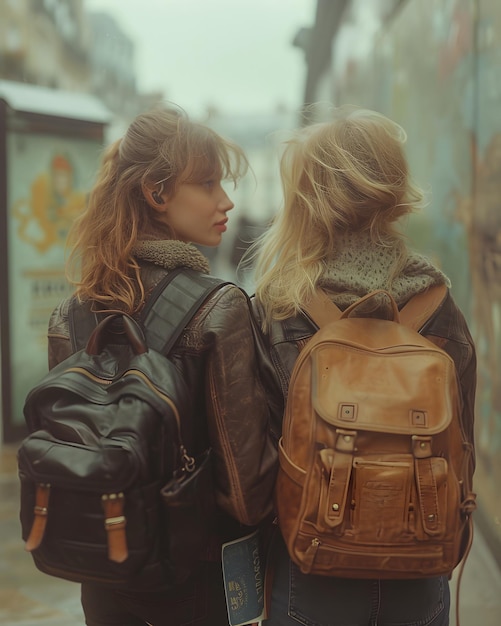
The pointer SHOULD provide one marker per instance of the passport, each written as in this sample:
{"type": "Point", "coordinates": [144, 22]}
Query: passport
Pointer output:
{"type": "Point", "coordinates": [243, 580]}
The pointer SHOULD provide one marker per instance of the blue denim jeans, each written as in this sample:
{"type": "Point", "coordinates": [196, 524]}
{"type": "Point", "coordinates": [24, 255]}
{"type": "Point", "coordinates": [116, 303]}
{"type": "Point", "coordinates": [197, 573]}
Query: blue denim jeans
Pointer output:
{"type": "Point", "coordinates": [323, 601]}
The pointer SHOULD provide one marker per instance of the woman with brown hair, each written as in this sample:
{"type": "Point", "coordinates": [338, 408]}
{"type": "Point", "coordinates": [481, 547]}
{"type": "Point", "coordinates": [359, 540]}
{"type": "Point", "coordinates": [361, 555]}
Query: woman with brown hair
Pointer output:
{"type": "Point", "coordinates": [159, 191]}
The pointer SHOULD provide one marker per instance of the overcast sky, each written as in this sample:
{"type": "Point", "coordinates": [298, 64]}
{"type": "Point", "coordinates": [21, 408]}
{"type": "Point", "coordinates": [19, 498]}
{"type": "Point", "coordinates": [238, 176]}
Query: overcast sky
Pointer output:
{"type": "Point", "coordinates": [236, 55]}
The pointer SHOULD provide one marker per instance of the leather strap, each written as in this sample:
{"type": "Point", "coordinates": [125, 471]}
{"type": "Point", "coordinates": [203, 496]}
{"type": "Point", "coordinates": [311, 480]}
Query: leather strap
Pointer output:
{"type": "Point", "coordinates": [173, 303]}
{"type": "Point", "coordinates": [82, 320]}
{"type": "Point", "coordinates": [428, 496]}
{"type": "Point", "coordinates": [460, 569]}
{"type": "Point", "coordinates": [322, 310]}
{"type": "Point", "coordinates": [114, 523]}
{"type": "Point", "coordinates": [292, 471]}
{"type": "Point", "coordinates": [421, 307]}
{"type": "Point", "coordinates": [341, 464]}
{"type": "Point", "coordinates": [368, 296]}
{"type": "Point", "coordinates": [170, 307]}
{"type": "Point", "coordinates": [40, 510]}
{"type": "Point", "coordinates": [414, 314]}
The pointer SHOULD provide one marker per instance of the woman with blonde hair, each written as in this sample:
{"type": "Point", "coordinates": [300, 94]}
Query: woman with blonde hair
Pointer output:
{"type": "Point", "coordinates": [346, 187]}
{"type": "Point", "coordinates": [158, 192]}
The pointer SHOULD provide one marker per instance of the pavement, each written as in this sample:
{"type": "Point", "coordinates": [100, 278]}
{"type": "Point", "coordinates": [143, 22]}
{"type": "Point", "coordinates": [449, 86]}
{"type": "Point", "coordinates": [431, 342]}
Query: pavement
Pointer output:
{"type": "Point", "coordinates": [30, 598]}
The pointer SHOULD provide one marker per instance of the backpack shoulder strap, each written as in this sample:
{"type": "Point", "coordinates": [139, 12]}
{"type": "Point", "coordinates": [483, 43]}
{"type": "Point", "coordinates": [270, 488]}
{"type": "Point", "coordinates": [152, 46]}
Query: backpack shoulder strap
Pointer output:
{"type": "Point", "coordinates": [82, 321]}
{"type": "Point", "coordinates": [418, 310]}
{"type": "Point", "coordinates": [414, 314]}
{"type": "Point", "coordinates": [172, 305]}
{"type": "Point", "coordinates": [321, 310]}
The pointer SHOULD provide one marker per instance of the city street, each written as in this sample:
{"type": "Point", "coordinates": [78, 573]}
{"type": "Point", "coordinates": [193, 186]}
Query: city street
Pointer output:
{"type": "Point", "coordinates": [30, 598]}
{"type": "Point", "coordinates": [286, 147]}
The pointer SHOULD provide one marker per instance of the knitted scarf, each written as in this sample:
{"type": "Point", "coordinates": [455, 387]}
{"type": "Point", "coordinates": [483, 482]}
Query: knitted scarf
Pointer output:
{"type": "Point", "coordinates": [359, 266]}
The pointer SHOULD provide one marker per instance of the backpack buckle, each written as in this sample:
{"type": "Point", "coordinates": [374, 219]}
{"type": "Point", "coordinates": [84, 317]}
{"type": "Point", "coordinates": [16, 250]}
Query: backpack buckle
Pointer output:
{"type": "Point", "coordinates": [114, 523]}
{"type": "Point", "coordinates": [41, 511]}
{"type": "Point", "coordinates": [421, 447]}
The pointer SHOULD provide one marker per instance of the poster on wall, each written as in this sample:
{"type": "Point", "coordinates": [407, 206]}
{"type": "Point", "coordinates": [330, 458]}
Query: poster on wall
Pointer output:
{"type": "Point", "coordinates": [48, 181]}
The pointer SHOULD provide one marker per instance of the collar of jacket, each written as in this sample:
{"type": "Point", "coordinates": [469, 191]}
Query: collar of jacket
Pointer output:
{"type": "Point", "coordinates": [170, 253]}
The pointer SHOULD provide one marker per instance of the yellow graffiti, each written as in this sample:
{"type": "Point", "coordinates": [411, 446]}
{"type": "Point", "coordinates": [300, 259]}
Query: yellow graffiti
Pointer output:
{"type": "Point", "coordinates": [46, 216]}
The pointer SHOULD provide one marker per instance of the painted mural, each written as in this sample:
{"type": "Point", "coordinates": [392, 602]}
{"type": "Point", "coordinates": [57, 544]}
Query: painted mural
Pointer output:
{"type": "Point", "coordinates": [44, 217]}
{"type": "Point", "coordinates": [435, 67]}
{"type": "Point", "coordinates": [49, 179]}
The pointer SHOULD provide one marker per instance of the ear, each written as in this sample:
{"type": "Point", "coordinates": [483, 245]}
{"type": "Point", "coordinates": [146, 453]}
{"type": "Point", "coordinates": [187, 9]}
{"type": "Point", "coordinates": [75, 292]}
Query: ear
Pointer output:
{"type": "Point", "coordinates": [154, 199]}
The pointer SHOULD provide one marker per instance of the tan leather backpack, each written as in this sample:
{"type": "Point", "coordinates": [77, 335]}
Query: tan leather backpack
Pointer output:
{"type": "Point", "coordinates": [375, 470]}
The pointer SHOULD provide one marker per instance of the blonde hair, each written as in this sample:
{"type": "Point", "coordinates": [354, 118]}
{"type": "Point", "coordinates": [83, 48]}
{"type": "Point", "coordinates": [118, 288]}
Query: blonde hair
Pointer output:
{"type": "Point", "coordinates": [160, 148]}
{"type": "Point", "coordinates": [346, 175]}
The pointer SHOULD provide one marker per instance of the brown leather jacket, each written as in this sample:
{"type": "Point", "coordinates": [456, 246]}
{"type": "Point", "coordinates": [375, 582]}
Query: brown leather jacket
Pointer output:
{"type": "Point", "coordinates": [447, 328]}
{"type": "Point", "coordinates": [217, 355]}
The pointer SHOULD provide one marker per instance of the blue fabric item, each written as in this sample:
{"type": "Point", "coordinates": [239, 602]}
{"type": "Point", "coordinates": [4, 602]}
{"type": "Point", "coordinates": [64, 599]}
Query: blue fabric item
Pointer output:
{"type": "Point", "coordinates": [324, 601]}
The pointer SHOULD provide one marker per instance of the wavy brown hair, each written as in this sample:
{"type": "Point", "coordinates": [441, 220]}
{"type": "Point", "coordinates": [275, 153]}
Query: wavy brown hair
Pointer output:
{"type": "Point", "coordinates": [163, 148]}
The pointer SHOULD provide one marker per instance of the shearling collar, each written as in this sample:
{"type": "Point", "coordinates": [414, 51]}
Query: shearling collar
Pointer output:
{"type": "Point", "coordinates": [170, 253]}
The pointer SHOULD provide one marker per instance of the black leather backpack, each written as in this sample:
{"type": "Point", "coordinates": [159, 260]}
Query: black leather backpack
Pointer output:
{"type": "Point", "coordinates": [109, 492]}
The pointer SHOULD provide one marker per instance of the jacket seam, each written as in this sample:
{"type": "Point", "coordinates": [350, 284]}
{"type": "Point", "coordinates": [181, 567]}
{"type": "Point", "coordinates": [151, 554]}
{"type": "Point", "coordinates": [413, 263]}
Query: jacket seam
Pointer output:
{"type": "Point", "coordinates": [226, 446]}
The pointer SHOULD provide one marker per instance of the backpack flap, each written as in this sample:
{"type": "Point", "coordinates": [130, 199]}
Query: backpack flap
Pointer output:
{"type": "Point", "coordinates": [410, 396]}
{"type": "Point", "coordinates": [409, 382]}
